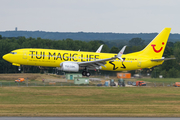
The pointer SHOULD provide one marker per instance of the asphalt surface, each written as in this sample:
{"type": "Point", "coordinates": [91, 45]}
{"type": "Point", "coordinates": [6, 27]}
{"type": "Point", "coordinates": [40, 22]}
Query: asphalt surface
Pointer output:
{"type": "Point", "coordinates": [84, 118]}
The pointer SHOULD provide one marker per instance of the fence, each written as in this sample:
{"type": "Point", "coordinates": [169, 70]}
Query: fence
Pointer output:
{"type": "Point", "coordinates": [160, 84]}
{"type": "Point", "coordinates": [38, 83]}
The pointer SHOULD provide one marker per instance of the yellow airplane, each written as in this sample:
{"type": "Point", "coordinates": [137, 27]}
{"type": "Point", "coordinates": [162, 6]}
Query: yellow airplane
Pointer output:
{"type": "Point", "coordinates": [73, 61]}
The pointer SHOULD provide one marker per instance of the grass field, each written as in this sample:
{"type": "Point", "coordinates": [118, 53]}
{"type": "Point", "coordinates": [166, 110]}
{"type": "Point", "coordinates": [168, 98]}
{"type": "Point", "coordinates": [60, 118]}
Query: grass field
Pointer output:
{"type": "Point", "coordinates": [161, 80]}
{"type": "Point", "coordinates": [90, 101]}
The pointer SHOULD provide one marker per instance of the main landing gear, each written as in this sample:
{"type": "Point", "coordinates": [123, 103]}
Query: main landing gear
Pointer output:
{"type": "Point", "coordinates": [86, 73]}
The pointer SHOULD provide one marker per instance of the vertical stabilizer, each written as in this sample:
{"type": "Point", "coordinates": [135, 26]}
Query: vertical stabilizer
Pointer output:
{"type": "Point", "coordinates": [156, 47]}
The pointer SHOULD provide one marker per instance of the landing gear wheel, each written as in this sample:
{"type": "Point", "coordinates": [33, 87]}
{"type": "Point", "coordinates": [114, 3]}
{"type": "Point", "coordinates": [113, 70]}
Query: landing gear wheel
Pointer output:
{"type": "Point", "coordinates": [84, 73]}
{"type": "Point", "coordinates": [88, 74]}
{"type": "Point", "coordinates": [19, 68]}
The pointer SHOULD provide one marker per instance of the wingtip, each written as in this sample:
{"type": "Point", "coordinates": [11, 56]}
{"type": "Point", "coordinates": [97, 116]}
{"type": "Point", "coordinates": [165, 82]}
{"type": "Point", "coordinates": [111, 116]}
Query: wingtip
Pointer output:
{"type": "Point", "coordinates": [121, 52]}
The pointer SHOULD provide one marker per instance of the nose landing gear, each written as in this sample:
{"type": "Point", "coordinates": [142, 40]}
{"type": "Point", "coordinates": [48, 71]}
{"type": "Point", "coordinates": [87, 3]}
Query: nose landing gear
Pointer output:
{"type": "Point", "coordinates": [19, 68]}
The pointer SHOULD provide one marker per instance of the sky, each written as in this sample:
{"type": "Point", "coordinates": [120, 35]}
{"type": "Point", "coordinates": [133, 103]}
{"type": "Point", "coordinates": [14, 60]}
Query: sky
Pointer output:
{"type": "Point", "coordinates": [116, 16]}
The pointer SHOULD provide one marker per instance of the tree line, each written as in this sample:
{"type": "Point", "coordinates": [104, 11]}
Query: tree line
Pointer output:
{"type": "Point", "coordinates": [167, 69]}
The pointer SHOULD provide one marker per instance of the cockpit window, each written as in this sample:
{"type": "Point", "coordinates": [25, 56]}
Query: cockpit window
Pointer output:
{"type": "Point", "coordinates": [13, 52]}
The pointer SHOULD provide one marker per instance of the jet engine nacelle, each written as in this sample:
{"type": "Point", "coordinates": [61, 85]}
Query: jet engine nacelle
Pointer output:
{"type": "Point", "coordinates": [69, 66]}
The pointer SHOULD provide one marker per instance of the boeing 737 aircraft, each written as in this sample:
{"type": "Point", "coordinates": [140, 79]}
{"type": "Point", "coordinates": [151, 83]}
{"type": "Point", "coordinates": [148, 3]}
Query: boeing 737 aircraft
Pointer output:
{"type": "Point", "coordinates": [73, 61]}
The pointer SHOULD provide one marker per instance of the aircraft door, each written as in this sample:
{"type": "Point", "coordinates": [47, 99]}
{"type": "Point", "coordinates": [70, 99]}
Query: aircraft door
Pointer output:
{"type": "Point", "coordinates": [139, 62]}
{"type": "Point", "coordinates": [25, 53]}
{"type": "Point", "coordinates": [71, 77]}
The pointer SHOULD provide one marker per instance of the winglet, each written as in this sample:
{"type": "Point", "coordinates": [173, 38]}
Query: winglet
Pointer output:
{"type": "Point", "coordinates": [121, 53]}
{"type": "Point", "coordinates": [99, 49]}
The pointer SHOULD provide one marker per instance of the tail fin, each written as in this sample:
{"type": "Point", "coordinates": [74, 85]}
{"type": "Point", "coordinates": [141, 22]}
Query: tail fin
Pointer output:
{"type": "Point", "coordinates": [156, 47]}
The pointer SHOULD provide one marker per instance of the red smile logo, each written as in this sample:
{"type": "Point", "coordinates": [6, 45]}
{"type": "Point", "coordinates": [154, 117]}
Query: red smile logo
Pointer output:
{"type": "Point", "coordinates": [157, 51]}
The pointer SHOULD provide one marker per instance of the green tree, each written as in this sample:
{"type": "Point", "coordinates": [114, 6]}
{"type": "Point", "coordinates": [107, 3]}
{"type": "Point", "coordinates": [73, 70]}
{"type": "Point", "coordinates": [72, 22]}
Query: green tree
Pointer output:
{"type": "Point", "coordinates": [170, 44]}
{"type": "Point", "coordinates": [177, 53]}
{"type": "Point", "coordinates": [136, 42]}
{"type": "Point", "coordinates": [105, 49]}
{"type": "Point", "coordinates": [164, 73]}
{"type": "Point", "coordinates": [168, 52]}
{"type": "Point", "coordinates": [114, 50]}
{"type": "Point", "coordinates": [156, 72]}
{"type": "Point", "coordinates": [173, 73]}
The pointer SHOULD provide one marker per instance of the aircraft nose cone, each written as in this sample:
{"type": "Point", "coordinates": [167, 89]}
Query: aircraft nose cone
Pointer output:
{"type": "Point", "coordinates": [5, 57]}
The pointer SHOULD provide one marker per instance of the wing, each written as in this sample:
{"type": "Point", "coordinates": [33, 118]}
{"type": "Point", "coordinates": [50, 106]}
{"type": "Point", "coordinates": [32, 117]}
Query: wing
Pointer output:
{"type": "Point", "coordinates": [96, 64]}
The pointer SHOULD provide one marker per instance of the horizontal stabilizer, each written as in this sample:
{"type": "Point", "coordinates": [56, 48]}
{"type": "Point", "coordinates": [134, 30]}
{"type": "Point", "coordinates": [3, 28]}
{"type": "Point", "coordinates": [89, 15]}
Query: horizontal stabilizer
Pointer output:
{"type": "Point", "coordinates": [162, 59]}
